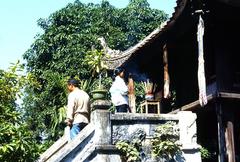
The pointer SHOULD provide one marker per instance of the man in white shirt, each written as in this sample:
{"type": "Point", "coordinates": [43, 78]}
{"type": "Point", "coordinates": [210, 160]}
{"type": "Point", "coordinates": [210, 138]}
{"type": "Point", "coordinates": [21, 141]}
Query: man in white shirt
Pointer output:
{"type": "Point", "coordinates": [78, 108]}
{"type": "Point", "coordinates": [119, 91]}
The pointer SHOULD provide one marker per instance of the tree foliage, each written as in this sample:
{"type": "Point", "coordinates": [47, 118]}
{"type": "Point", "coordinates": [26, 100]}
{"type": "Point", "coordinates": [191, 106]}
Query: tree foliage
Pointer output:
{"type": "Point", "coordinates": [16, 139]}
{"type": "Point", "coordinates": [60, 51]}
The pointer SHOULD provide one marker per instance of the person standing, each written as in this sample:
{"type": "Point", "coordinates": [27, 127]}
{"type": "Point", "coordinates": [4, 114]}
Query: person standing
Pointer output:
{"type": "Point", "coordinates": [119, 91]}
{"type": "Point", "coordinates": [78, 107]}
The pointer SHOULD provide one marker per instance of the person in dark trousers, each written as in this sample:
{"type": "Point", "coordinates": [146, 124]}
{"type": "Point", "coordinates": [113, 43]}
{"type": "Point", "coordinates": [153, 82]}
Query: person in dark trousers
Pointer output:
{"type": "Point", "coordinates": [78, 108]}
{"type": "Point", "coordinates": [119, 91]}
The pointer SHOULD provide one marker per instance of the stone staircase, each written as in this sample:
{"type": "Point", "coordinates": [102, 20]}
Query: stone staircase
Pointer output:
{"type": "Point", "coordinates": [63, 149]}
{"type": "Point", "coordinates": [96, 142]}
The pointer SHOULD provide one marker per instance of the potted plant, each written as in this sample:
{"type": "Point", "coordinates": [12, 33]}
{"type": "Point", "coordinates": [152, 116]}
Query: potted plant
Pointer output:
{"type": "Point", "coordinates": [98, 68]}
{"type": "Point", "coordinates": [100, 92]}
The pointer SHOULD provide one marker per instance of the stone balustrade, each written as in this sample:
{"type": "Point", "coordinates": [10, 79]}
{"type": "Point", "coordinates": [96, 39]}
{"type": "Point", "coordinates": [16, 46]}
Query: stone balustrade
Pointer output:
{"type": "Point", "coordinates": [96, 142]}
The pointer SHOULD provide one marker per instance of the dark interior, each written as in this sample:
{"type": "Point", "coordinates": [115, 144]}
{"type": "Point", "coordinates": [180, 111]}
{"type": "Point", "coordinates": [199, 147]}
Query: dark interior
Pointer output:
{"type": "Point", "coordinates": [222, 65]}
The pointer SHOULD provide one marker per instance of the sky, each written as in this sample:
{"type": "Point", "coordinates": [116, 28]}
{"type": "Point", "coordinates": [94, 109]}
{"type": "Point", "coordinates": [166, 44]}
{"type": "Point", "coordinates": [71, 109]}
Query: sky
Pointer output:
{"type": "Point", "coordinates": [18, 22]}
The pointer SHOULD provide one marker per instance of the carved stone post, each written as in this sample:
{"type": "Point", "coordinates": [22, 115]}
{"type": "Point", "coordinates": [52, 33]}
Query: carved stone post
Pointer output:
{"type": "Point", "coordinates": [188, 136]}
{"type": "Point", "coordinates": [100, 117]}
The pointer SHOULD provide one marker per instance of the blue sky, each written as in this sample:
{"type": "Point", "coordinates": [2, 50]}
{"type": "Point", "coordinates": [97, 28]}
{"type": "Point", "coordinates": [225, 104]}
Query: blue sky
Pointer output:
{"type": "Point", "coordinates": [19, 22]}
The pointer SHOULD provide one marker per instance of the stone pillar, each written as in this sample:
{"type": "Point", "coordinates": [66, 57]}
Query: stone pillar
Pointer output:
{"type": "Point", "coordinates": [100, 117]}
{"type": "Point", "coordinates": [188, 136]}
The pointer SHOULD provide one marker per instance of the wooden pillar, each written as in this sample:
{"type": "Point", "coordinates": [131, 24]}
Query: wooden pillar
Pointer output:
{"type": "Point", "coordinates": [221, 139]}
{"type": "Point", "coordinates": [229, 137]}
{"type": "Point", "coordinates": [131, 95]}
{"type": "Point", "coordinates": [166, 78]}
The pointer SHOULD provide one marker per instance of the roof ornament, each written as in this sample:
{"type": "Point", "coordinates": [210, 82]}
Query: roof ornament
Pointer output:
{"type": "Point", "coordinates": [113, 58]}
{"type": "Point", "coordinates": [107, 50]}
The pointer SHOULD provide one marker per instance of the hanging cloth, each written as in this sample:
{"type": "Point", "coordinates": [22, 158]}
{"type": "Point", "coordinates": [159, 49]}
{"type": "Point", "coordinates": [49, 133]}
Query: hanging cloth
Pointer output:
{"type": "Point", "coordinates": [166, 78]}
{"type": "Point", "coordinates": [201, 72]}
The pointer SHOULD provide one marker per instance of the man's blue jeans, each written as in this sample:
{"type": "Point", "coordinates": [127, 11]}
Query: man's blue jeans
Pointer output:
{"type": "Point", "coordinates": [75, 129]}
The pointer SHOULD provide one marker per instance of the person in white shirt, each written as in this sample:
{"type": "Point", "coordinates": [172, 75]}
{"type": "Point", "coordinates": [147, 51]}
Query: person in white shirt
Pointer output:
{"type": "Point", "coordinates": [78, 108]}
{"type": "Point", "coordinates": [119, 91]}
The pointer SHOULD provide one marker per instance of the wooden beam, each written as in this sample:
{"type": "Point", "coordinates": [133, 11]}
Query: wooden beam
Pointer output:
{"type": "Point", "coordinates": [229, 95]}
{"type": "Point", "coordinates": [193, 105]}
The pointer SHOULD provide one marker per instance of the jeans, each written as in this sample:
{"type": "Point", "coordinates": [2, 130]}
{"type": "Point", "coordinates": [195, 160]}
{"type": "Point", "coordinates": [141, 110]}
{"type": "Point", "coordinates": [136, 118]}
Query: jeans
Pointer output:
{"type": "Point", "coordinates": [122, 108]}
{"type": "Point", "coordinates": [75, 129]}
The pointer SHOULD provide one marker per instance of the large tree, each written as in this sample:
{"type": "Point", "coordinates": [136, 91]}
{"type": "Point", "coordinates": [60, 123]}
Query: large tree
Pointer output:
{"type": "Point", "coordinates": [59, 52]}
{"type": "Point", "coordinates": [16, 139]}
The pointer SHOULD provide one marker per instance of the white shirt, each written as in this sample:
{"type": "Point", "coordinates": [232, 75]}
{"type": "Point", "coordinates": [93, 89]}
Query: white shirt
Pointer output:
{"type": "Point", "coordinates": [119, 92]}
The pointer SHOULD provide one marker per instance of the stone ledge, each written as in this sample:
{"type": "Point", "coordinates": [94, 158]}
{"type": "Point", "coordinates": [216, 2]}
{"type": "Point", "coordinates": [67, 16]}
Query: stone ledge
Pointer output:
{"type": "Point", "coordinates": [187, 147]}
{"type": "Point", "coordinates": [76, 143]}
{"type": "Point", "coordinates": [149, 117]}
{"type": "Point", "coordinates": [100, 104]}
{"type": "Point", "coordinates": [58, 145]}
{"type": "Point", "coordinates": [106, 148]}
